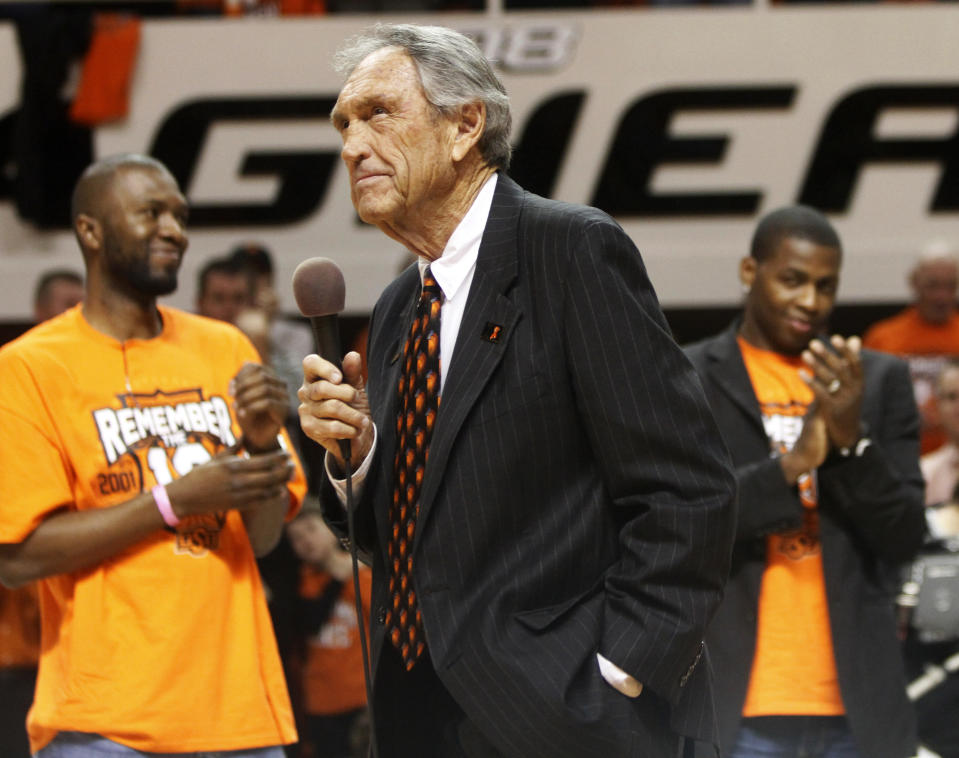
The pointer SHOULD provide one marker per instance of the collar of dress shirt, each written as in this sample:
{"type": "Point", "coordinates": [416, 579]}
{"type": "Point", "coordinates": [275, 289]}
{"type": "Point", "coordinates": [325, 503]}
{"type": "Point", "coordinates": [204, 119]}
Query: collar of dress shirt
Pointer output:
{"type": "Point", "coordinates": [454, 267]}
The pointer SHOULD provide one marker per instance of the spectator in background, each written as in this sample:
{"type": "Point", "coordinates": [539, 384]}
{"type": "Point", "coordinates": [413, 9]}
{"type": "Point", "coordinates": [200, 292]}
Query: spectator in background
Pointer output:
{"type": "Point", "coordinates": [282, 342]}
{"type": "Point", "coordinates": [333, 685]}
{"type": "Point", "coordinates": [238, 288]}
{"type": "Point", "coordinates": [223, 290]}
{"type": "Point", "coordinates": [936, 683]}
{"type": "Point", "coordinates": [926, 333]}
{"type": "Point", "coordinates": [56, 291]}
{"type": "Point", "coordinates": [940, 468]}
{"type": "Point", "coordinates": [825, 443]}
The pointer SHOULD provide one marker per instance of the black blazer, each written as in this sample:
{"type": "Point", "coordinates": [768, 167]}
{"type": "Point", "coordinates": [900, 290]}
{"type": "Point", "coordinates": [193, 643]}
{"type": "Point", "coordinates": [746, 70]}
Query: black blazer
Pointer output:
{"type": "Point", "coordinates": [578, 497]}
{"type": "Point", "coordinates": [871, 519]}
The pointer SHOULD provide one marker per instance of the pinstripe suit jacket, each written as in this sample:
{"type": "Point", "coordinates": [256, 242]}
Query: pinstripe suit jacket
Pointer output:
{"type": "Point", "coordinates": [578, 497]}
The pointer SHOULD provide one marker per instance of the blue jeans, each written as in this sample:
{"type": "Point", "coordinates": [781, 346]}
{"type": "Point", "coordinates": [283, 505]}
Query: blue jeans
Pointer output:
{"type": "Point", "coordinates": [794, 737]}
{"type": "Point", "coordinates": [81, 745]}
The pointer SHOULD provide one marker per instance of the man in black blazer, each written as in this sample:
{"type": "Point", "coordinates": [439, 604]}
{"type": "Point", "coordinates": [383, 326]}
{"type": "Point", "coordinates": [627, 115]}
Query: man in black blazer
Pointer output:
{"type": "Point", "coordinates": [830, 501]}
{"type": "Point", "coordinates": [575, 517]}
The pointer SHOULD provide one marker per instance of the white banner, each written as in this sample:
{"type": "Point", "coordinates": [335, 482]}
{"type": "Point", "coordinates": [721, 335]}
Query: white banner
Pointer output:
{"type": "Point", "coordinates": [687, 124]}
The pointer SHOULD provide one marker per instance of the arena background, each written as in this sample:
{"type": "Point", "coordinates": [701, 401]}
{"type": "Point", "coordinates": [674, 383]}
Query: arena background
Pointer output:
{"type": "Point", "coordinates": [685, 123]}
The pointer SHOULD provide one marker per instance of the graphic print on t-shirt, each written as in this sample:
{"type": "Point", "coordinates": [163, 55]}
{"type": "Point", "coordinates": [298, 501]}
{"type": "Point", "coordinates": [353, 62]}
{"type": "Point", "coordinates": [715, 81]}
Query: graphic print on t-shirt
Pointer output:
{"type": "Point", "coordinates": [794, 666]}
{"type": "Point", "coordinates": [783, 424]}
{"type": "Point", "coordinates": [165, 434]}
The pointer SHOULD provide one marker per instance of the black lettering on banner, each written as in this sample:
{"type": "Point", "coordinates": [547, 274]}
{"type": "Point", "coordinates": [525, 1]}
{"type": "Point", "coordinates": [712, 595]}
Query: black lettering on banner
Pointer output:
{"type": "Point", "coordinates": [642, 143]}
{"type": "Point", "coordinates": [304, 176]}
{"type": "Point", "coordinates": [848, 144]}
{"type": "Point", "coordinates": [538, 156]}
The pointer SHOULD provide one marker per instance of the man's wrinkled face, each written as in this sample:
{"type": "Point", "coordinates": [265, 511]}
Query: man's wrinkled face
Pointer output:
{"type": "Point", "coordinates": [397, 148]}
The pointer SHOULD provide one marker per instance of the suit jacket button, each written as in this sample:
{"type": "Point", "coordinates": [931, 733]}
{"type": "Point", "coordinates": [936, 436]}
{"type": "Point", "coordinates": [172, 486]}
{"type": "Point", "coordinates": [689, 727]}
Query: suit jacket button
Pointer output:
{"type": "Point", "coordinates": [381, 614]}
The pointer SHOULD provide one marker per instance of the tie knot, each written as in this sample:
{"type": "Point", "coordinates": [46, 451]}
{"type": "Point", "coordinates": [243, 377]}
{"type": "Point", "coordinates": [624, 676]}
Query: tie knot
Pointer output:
{"type": "Point", "coordinates": [431, 290]}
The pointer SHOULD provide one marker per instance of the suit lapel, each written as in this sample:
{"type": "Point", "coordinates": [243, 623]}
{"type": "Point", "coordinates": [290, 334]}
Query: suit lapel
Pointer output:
{"type": "Point", "coordinates": [484, 335]}
{"type": "Point", "coordinates": [729, 374]}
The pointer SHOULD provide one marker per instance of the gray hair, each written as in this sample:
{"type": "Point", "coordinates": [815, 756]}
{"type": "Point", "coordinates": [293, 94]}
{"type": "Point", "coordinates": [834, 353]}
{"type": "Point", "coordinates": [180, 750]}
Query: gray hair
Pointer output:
{"type": "Point", "coordinates": [936, 250]}
{"type": "Point", "coordinates": [452, 70]}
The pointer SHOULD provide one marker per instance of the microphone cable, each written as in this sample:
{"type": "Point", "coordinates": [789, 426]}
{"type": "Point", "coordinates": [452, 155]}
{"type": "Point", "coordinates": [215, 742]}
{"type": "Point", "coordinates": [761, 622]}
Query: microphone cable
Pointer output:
{"type": "Point", "coordinates": [358, 595]}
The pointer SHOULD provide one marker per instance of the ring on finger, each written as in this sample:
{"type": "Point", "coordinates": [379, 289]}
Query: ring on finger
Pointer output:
{"type": "Point", "coordinates": [834, 386]}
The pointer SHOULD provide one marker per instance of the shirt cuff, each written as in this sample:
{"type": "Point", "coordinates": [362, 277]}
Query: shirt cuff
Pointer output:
{"type": "Point", "coordinates": [359, 476]}
{"type": "Point", "coordinates": [618, 679]}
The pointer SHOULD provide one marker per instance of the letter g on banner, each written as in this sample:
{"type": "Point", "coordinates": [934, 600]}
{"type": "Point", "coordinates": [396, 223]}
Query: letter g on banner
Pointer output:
{"type": "Point", "coordinates": [303, 176]}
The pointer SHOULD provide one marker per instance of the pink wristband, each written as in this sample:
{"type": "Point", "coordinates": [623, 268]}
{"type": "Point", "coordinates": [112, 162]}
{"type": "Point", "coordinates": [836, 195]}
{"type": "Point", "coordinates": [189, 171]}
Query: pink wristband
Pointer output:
{"type": "Point", "coordinates": [162, 501]}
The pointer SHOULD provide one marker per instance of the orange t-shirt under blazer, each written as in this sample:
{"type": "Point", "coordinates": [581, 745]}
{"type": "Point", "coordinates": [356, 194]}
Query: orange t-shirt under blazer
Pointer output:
{"type": "Point", "coordinates": [794, 669]}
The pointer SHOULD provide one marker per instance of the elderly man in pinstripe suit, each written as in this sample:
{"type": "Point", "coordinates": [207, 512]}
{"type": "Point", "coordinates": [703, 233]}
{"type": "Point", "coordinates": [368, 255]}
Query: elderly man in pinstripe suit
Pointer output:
{"type": "Point", "coordinates": [545, 572]}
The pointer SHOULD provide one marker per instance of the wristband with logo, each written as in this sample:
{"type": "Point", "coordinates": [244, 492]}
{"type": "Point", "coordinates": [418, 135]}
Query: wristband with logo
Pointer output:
{"type": "Point", "coordinates": [162, 501]}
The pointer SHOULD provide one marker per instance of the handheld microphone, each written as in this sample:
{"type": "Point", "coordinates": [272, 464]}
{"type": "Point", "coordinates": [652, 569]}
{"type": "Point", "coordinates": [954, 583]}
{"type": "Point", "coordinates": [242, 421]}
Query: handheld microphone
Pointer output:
{"type": "Point", "coordinates": [320, 294]}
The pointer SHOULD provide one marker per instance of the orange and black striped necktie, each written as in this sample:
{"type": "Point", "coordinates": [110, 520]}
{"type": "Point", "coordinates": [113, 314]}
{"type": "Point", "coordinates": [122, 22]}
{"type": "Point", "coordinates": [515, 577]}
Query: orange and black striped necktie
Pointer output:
{"type": "Point", "coordinates": [418, 395]}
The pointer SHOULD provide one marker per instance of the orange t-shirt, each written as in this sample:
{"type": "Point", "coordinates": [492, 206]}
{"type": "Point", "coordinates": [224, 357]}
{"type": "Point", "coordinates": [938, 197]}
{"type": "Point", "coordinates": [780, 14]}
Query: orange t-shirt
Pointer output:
{"type": "Point", "coordinates": [19, 627]}
{"type": "Point", "coordinates": [168, 645]}
{"type": "Point", "coordinates": [926, 348]}
{"type": "Point", "coordinates": [794, 668]}
{"type": "Point", "coordinates": [333, 680]}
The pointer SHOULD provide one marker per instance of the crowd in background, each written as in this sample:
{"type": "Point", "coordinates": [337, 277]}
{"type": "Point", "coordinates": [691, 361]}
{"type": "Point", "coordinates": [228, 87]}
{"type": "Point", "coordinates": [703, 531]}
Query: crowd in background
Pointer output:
{"type": "Point", "coordinates": [308, 576]}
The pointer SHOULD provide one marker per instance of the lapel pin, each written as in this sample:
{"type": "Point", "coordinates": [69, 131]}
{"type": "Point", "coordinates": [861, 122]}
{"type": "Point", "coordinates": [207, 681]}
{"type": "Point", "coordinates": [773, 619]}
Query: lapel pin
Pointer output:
{"type": "Point", "coordinates": [492, 332]}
